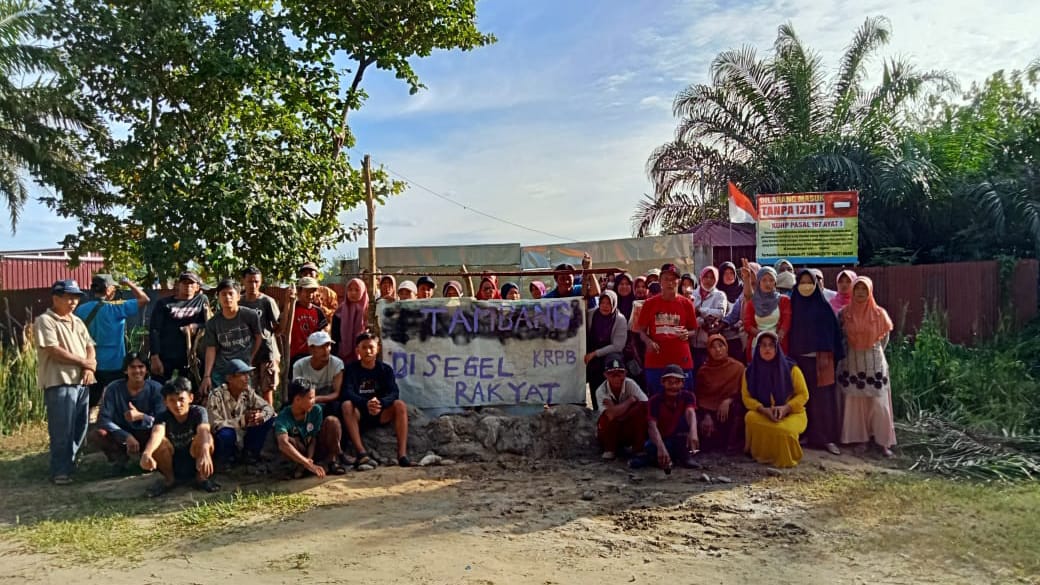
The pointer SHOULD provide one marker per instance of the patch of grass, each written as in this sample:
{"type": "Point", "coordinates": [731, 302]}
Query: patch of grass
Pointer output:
{"type": "Point", "coordinates": [103, 530]}
{"type": "Point", "coordinates": [991, 524]}
{"type": "Point", "coordinates": [240, 507]}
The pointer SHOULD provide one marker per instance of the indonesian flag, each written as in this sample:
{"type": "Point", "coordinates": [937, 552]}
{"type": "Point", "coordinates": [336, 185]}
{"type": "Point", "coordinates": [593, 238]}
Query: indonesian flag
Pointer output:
{"type": "Point", "coordinates": [741, 210]}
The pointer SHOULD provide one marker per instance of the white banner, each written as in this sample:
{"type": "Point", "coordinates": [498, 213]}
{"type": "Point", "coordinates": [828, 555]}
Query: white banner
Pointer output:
{"type": "Point", "coordinates": [450, 353]}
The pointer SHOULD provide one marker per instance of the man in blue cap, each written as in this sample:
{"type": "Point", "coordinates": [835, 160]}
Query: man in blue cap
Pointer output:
{"type": "Point", "coordinates": [239, 418]}
{"type": "Point", "coordinates": [67, 362]}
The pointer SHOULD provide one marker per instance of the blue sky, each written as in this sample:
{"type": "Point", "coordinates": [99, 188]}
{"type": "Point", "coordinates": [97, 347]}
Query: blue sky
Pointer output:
{"type": "Point", "coordinates": [551, 127]}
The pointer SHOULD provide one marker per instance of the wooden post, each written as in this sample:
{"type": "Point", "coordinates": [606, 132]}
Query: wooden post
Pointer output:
{"type": "Point", "coordinates": [373, 283]}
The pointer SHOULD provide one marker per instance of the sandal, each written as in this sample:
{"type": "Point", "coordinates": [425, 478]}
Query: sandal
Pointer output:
{"type": "Point", "coordinates": [362, 459]}
{"type": "Point", "coordinates": [61, 480]}
{"type": "Point", "coordinates": [335, 468]}
{"type": "Point", "coordinates": [207, 485]}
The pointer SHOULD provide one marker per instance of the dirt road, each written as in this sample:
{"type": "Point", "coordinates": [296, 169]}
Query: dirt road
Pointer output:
{"type": "Point", "coordinates": [545, 522]}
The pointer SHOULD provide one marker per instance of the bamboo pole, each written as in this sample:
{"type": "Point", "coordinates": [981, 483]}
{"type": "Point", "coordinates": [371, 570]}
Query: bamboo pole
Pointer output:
{"type": "Point", "coordinates": [370, 201]}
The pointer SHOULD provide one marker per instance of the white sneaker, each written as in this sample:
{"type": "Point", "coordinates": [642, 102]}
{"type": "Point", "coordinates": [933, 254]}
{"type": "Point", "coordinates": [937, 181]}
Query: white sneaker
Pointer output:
{"type": "Point", "coordinates": [609, 456]}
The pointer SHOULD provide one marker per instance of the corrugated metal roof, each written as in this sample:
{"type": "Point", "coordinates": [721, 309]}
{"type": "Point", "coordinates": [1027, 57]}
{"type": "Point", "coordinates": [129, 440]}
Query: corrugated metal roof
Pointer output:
{"type": "Point", "coordinates": [27, 269]}
{"type": "Point", "coordinates": [716, 233]}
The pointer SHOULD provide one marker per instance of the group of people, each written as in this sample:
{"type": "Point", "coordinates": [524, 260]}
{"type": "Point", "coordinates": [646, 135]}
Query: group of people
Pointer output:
{"type": "Point", "coordinates": [752, 359]}
{"type": "Point", "coordinates": [188, 420]}
{"type": "Point", "coordinates": [733, 361]}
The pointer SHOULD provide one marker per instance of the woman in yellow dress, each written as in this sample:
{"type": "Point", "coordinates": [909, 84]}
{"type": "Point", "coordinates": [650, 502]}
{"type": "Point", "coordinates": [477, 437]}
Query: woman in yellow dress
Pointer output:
{"type": "Point", "coordinates": [774, 393]}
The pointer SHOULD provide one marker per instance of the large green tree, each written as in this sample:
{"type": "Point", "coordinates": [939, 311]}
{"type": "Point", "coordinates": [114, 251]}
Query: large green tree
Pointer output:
{"type": "Point", "coordinates": [231, 122]}
{"type": "Point", "coordinates": [42, 119]}
{"type": "Point", "coordinates": [986, 144]}
{"type": "Point", "coordinates": [779, 123]}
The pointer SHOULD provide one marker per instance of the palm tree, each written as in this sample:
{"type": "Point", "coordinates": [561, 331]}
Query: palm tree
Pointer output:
{"type": "Point", "coordinates": [42, 124]}
{"type": "Point", "coordinates": [775, 124]}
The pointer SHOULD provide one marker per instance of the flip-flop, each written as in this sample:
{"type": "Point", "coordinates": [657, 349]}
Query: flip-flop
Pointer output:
{"type": "Point", "coordinates": [207, 485]}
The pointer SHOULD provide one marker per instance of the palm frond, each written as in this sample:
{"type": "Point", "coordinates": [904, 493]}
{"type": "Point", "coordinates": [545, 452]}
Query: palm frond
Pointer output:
{"type": "Point", "coordinates": [872, 34]}
{"type": "Point", "coordinates": [12, 189]}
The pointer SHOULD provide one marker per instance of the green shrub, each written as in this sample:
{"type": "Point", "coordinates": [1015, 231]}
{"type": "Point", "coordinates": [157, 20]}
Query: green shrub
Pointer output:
{"type": "Point", "coordinates": [991, 387]}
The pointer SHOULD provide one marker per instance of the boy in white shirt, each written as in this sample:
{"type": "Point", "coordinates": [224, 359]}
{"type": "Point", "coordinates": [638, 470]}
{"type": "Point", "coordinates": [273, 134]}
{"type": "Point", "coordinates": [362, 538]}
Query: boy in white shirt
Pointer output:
{"type": "Point", "coordinates": [622, 410]}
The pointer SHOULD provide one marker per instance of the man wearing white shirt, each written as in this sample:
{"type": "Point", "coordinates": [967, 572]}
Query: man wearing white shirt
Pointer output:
{"type": "Point", "coordinates": [324, 371]}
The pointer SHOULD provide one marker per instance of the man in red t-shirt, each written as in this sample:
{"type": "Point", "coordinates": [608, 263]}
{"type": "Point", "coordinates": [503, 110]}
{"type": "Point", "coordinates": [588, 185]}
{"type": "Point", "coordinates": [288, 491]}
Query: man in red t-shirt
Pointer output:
{"type": "Point", "coordinates": [666, 323]}
{"type": "Point", "coordinates": [671, 424]}
{"type": "Point", "coordinates": [307, 317]}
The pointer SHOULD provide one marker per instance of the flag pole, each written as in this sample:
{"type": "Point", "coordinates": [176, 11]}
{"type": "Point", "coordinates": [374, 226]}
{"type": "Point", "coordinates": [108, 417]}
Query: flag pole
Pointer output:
{"type": "Point", "coordinates": [731, 259]}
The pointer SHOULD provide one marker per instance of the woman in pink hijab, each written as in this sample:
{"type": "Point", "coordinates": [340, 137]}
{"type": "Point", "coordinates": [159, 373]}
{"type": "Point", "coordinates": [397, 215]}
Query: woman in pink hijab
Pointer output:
{"type": "Point", "coordinates": [537, 289]}
{"type": "Point", "coordinates": [843, 296]}
{"type": "Point", "coordinates": [350, 320]}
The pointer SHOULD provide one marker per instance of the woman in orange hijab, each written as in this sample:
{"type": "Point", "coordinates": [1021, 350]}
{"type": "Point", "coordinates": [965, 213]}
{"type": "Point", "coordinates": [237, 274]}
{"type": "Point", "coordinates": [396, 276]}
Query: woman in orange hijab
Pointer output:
{"type": "Point", "coordinates": [863, 374]}
{"type": "Point", "coordinates": [720, 411]}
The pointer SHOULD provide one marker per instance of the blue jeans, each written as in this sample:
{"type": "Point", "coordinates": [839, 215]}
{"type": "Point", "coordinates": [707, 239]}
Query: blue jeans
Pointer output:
{"type": "Point", "coordinates": [653, 381]}
{"type": "Point", "coordinates": [225, 448]}
{"type": "Point", "coordinates": [68, 412]}
{"type": "Point", "coordinates": [676, 446]}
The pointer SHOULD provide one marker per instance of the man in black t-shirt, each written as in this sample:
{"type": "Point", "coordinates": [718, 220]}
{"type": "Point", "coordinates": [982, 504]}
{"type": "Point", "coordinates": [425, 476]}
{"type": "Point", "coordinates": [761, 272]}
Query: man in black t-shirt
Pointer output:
{"type": "Point", "coordinates": [181, 445]}
{"type": "Point", "coordinates": [172, 321]}
{"type": "Point", "coordinates": [371, 398]}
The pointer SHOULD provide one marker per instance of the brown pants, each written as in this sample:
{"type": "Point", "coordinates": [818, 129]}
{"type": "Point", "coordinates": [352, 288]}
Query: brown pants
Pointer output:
{"type": "Point", "coordinates": [164, 460]}
{"type": "Point", "coordinates": [113, 448]}
{"type": "Point", "coordinates": [627, 431]}
{"type": "Point", "coordinates": [727, 436]}
{"type": "Point", "coordinates": [329, 437]}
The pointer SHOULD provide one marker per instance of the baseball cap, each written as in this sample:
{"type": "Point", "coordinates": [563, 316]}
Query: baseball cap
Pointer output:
{"type": "Point", "coordinates": [613, 362]}
{"type": "Point", "coordinates": [307, 282]}
{"type": "Point", "coordinates": [673, 371]}
{"type": "Point", "coordinates": [653, 272]}
{"type": "Point", "coordinates": [670, 268]}
{"type": "Point", "coordinates": [427, 281]}
{"type": "Point", "coordinates": [237, 366]}
{"type": "Point", "coordinates": [102, 280]}
{"type": "Point", "coordinates": [307, 266]}
{"type": "Point", "coordinates": [66, 287]}
{"type": "Point", "coordinates": [190, 276]}
{"type": "Point", "coordinates": [319, 338]}
{"type": "Point", "coordinates": [407, 284]}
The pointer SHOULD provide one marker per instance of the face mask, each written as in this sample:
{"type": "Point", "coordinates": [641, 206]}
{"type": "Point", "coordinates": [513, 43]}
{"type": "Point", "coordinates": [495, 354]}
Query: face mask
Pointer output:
{"type": "Point", "coordinates": [806, 289]}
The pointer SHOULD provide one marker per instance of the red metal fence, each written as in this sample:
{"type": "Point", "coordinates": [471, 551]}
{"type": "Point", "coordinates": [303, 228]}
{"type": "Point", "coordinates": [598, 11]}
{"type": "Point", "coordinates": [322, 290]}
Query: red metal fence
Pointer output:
{"type": "Point", "coordinates": [969, 292]}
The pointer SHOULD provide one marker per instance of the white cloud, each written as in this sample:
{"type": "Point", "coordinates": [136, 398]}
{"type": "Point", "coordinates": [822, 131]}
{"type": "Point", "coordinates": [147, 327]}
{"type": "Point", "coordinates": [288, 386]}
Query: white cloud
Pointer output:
{"type": "Point", "coordinates": [967, 38]}
{"type": "Point", "coordinates": [655, 101]}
